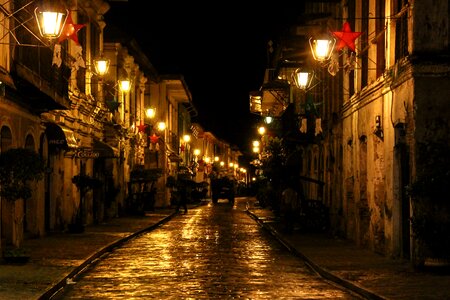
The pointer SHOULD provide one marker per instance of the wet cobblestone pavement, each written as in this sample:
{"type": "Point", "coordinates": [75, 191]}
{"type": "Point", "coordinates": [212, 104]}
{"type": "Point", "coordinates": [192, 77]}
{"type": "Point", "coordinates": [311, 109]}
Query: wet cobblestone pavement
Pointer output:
{"type": "Point", "coordinates": [213, 252]}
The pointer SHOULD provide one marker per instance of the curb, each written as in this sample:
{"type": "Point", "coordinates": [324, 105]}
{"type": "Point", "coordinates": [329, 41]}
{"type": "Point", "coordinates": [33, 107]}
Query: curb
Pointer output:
{"type": "Point", "coordinates": [361, 291]}
{"type": "Point", "coordinates": [77, 271]}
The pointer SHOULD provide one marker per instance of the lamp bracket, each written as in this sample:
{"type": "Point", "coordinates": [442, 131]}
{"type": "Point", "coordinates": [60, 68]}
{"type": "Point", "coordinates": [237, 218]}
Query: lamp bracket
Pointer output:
{"type": "Point", "coordinates": [21, 23]}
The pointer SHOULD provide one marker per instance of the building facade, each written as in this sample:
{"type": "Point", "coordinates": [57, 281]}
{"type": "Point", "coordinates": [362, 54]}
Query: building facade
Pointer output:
{"type": "Point", "coordinates": [358, 133]}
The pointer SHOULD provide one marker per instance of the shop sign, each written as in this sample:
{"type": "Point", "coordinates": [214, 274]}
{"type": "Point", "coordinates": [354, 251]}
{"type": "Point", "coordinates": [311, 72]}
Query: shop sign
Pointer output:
{"type": "Point", "coordinates": [57, 142]}
{"type": "Point", "coordinates": [86, 153]}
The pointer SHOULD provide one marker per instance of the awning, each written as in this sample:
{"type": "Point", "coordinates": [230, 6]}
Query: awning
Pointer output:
{"type": "Point", "coordinates": [174, 157]}
{"type": "Point", "coordinates": [275, 97]}
{"type": "Point", "coordinates": [59, 136]}
{"type": "Point", "coordinates": [104, 150]}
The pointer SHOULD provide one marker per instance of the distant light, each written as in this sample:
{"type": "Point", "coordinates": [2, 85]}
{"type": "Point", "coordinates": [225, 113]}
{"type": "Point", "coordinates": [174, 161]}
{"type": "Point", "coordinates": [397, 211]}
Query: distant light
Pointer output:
{"type": "Point", "coordinates": [161, 126]}
{"type": "Point", "coordinates": [186, 138]}
{"type": "Point", "coordinates": [262, 130]}
{"type": "Point", "coordinates": [125, 85]}
{"type": "Point", "coordinates": [150, 112]}
{"type": "Point", "coordinates": [268, 120]}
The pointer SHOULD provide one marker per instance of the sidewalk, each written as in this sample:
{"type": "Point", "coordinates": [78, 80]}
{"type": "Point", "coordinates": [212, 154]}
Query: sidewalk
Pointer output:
{"type": "Point", "coordinates": [362, 271]}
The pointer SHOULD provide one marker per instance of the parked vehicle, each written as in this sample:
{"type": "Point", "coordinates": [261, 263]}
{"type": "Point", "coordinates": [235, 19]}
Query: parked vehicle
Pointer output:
{"type": "Point", "coordinates": [223, 188]}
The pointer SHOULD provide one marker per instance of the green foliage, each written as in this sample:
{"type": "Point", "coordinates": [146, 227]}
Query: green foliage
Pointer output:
{"type": "Point", "coordinates": [18, 167]}
{"type": "Point", "coordinates": [273, 159]}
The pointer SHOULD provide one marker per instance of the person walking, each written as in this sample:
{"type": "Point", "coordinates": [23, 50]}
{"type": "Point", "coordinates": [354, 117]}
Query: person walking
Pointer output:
{"type": "Point", "coordinates": [182, 195]}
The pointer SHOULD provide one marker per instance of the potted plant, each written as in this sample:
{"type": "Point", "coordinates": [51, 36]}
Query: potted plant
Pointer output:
{"type": "Point", "coordinates": [84, 183]}
{"type": "Point", "coordinates": [18, 168]}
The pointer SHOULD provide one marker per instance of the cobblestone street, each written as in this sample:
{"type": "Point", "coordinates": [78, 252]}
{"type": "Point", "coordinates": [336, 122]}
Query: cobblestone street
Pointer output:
{"type": "Point", "coordinates": [213, 252]}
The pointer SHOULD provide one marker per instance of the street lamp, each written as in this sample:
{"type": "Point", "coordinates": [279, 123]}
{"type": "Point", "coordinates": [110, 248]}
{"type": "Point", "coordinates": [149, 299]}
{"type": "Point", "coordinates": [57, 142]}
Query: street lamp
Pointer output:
{"type": "Point", "coordinates": [150, 113]}
{"type": "Point", "coordinates": [256, 146]}
{"type": "Point", "coordinates": [262, 130]}
{"type": "Point", "coordinates": [302, 78]}
{"type": "Point", "coordinates": [101, 65]}
{"type": "Point", "coordinates": [268, 119]}
{"type": "Point", "coordinates": [322, 48]}
{"type": "Point", "coordinates": [50, 20]}
{"type": "Point", "coordinates": [161, 126]}
{"type": "Point", "coordinates": [186, 138]}
{"type": "Point", "coordinates": [125, 85]}
{"type": "Point", "coordinates": [196, 153]}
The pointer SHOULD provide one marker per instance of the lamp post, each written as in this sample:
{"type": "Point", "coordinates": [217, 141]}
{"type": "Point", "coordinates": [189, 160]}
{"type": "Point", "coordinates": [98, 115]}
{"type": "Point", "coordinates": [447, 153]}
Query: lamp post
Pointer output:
{"type": "Point", "coordinates": [256, 146]}
{"type": "Point", "coordinates": [196, 153]}
{"type": "Point", "coordinates": [322, 48]}
{"type": "Point", "coordinates": [125, 85]}
{"type": "Point", "coordinates": [50, 20]}
{"type": "Point", "coordinates": [153, 139]}
{"type": "Point", "coordinates": [268, 119]}
{"type": "Point", "coordinates": [150, 113]}
{"type": "Point", "coordinates": [101, 65]}
{"type": "Point", "coordinates": [161, 126]}
{"type": "Point", "coordinates": [302, 78]}
{"type": "Point", "coordinates": [186, 140]}
{"type": "Point", "coordinates": [261, 130]}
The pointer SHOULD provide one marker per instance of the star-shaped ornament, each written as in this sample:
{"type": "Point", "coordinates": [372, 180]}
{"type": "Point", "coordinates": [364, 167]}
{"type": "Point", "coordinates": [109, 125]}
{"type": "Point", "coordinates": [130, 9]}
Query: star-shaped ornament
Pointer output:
{"type": "Point", "coordinates": [346, 37]}
{"type": "Point", "coordinates": [154, 138]}
{"type": "Point", "coordinates": [70, 30]}
{"type": "Point", "coordinates": [141, 127]}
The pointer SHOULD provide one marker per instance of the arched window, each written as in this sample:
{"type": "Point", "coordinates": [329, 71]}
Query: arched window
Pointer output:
{"type": "Point", "coordinates": [29, 142]}
{"type": "Point", "coordinates": [5, 139]}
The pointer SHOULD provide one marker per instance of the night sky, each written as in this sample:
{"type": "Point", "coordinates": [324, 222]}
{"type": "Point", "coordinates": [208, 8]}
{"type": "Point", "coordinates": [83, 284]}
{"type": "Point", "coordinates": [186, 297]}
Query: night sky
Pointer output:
{"type": "Point", "coordinates": [220, 49]}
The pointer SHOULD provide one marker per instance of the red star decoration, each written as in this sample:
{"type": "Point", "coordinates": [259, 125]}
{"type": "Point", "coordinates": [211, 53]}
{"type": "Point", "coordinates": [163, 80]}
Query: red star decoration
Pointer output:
{"type": "Point", "coordinates": [154, 139]}
{"type": "Point", "coordinates": [141, 127]}
{"type": "Point", "coordinates": [70, 30]}
{"type": "Point", "coordinates": [346, 37]}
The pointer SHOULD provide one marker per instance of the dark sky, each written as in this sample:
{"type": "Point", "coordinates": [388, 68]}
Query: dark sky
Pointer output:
{"type": "Point", "coordinates": [220, 48]}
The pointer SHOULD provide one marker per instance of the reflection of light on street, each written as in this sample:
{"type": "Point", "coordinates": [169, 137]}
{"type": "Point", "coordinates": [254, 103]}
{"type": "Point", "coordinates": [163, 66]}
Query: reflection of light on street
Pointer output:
{"type": "Point", "coordinates": [165, 251]}
{"type": "Point", "coordinates": [189, 229]}
{"type": "Point", "coordinates": [216, 237]}
{"type": "Point", "coordinates": [256, 258]}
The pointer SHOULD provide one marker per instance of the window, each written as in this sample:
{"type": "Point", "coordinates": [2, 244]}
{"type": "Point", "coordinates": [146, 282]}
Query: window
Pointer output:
{"type": "Point", "coordinates": [380, 37]}
{"type": "Point", "coordinates": [29, 142]}
{"type": "Point", "coordinates": [5, 139]}
{"type": "Point", "coordinates": [364, 44]}
{"type": "Point", "coordinates": [401, 31]}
